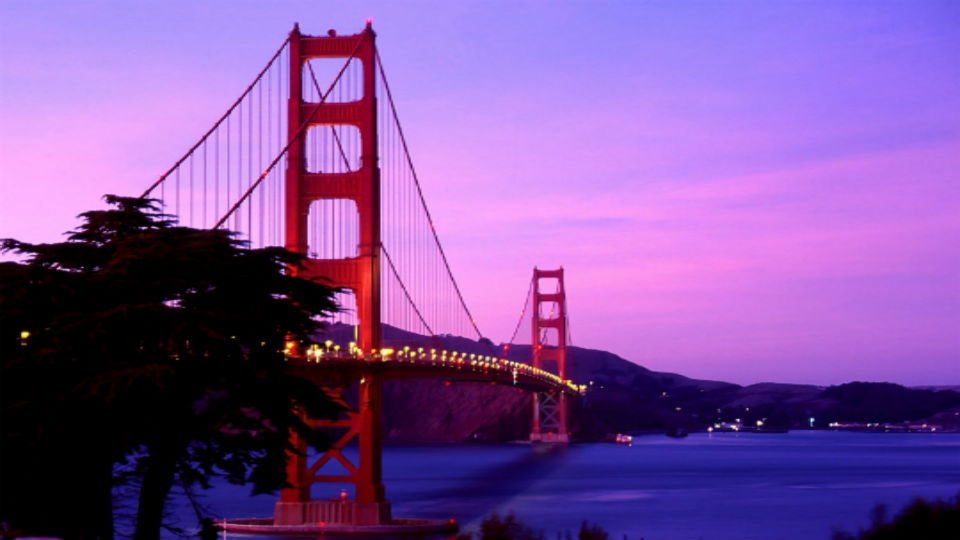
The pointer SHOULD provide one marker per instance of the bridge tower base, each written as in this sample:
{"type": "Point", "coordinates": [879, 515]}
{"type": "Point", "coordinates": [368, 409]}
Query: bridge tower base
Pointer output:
{"type": "Point", "coordinates": [549, 344]}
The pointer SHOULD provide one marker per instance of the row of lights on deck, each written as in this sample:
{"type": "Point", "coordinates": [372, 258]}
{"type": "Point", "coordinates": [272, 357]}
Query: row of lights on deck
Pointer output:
{"type": "Point", "coordinates": [329, 350]}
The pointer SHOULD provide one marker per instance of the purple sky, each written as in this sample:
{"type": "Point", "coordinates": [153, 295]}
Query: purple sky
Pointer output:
{"type": "Point", "coordinates": [746, 191]}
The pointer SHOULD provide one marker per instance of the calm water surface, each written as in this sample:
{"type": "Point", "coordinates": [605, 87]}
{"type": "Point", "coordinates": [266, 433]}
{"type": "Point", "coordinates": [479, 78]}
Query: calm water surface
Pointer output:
{"type": "Point", "coordinates": [722, 486]}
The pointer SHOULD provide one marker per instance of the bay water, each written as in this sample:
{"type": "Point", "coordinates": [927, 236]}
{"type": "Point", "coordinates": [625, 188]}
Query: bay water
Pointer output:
{"type": "Point", "coordinates": [802, 485]}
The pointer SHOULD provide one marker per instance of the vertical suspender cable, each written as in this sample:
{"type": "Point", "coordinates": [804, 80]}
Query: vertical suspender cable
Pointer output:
{"type": "Point", "coordinates": [226, 162]}
{"type": "Point", "coordinates": [191, 191]}
{"type": "Point", "coordinates": [260, 159]}
{"type": "Point", "coordinates": [204, 184]}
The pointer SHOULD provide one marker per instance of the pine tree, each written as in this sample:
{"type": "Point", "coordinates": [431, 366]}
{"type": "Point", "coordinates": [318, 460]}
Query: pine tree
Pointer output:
{"type": "Point", "coordinates": [138, 341]}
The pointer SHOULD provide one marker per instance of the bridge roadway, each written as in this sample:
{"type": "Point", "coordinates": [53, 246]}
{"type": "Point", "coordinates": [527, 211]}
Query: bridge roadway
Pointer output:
{"type": "Point", "coordinates": [340, 367]}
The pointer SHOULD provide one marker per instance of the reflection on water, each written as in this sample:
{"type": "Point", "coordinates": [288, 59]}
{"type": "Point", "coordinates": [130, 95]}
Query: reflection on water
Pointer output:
{"type": "Point", "coordinates": [722, 486]}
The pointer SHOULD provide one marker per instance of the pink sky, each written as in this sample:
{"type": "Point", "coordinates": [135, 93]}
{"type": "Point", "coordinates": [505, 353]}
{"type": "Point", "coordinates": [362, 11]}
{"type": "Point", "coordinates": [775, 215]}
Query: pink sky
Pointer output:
{"type": "Point", "coordinates": [746, 191]}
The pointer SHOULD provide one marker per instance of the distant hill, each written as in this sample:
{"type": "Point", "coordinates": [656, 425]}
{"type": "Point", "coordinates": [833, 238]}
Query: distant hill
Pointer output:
{"type": "Point", "coordinates": [955, 387]}
{"type": "Point", "coordinates": [625, 397]}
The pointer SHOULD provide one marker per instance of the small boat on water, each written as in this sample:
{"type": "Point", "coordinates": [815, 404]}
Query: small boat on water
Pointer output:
{"type": "Point", "coordinates": [619, 438]}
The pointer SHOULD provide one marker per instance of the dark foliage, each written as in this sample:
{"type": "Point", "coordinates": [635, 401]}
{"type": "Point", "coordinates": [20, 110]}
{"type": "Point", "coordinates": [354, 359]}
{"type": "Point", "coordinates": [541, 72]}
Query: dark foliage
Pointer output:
{"type": "Point", "coordinates": [935, 520]}
{"type": "Point", "coordinates": [506, 528]}
{"type": "Point", "coordinates": [509, 528]}
{"type": "Point", "coordinates": [592, 532]}
{"type": "Point", "coordinates": [139, 341]}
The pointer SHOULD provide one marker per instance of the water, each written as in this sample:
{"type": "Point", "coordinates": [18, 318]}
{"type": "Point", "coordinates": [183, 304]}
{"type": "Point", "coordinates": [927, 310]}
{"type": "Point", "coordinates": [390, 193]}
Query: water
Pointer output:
{"type": "Point", "coordinates": [721, 486]}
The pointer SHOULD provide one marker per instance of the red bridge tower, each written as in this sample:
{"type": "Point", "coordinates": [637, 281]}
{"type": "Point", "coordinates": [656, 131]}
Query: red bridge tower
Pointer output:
{"type": "Point", "coordinates": [360, 274]}
{"type": "Point", "coordinates": [549, 345]}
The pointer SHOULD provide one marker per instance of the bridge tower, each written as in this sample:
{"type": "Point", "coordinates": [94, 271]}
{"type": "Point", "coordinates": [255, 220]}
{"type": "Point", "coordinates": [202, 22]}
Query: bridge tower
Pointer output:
{"type": "Point", "coordinates": [549, 344]}
{"type": "Point", "coordinates": [359, 274]}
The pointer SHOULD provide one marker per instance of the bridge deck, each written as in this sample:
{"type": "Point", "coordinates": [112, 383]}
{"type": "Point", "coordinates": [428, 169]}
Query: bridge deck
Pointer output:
{"type": "Point", "coordinates": [414, 364]}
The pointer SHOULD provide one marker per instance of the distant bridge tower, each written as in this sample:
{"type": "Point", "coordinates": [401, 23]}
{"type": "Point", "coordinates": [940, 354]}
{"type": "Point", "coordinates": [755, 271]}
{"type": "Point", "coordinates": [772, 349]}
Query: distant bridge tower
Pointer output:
{"type": "Point", "coordinates": [549, 345]}
{"type": "Point", "coordinates": [360, 274]}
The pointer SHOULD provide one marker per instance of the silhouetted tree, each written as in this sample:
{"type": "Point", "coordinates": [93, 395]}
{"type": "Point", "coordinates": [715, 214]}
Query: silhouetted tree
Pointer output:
{"type": "Point", "coordinates": [507, 528]}
{"type": "Point", "coordinates": [592, 532]}
{"type": "Point", "coordinates": [143, 342]}
{"type": "Point", "coordinates": [933, 520]}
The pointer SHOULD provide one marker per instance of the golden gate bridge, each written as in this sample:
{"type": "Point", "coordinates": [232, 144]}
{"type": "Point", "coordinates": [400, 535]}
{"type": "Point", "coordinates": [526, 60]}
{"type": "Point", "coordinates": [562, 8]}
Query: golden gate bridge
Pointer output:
{"type": "Point", "coordinates": [312, 156]}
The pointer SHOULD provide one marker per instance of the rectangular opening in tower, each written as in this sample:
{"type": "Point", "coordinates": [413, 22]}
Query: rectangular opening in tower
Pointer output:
{"type": "Point", "coordinates": [332, 148]}
{"type": "Point", "coordinates": [348, 88]}
{"type": "Point", "coordinates": [333, 229]}
{"type": "Point", "coordinates": [548, 285]}
{"type": "Point", "coordinates": [549, 337]}
{"type": "Point", "coordinates": [548, 310]}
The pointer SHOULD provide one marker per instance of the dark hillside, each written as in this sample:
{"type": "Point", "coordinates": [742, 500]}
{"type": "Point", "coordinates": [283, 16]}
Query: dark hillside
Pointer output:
{"type": "Point", "coordinates": [624, 397]}
{"type": "Point", "coordinates": [887, 402]}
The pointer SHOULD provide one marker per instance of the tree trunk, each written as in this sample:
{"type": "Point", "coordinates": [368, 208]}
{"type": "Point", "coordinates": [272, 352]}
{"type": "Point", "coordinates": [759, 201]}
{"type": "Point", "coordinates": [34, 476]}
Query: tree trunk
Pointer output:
{"type": "Point", "coordinates": [157, 480]}
{"type": "Point", "coordinates": [105, 504]}
{"type": "Point", "coordinates": [92, 507]}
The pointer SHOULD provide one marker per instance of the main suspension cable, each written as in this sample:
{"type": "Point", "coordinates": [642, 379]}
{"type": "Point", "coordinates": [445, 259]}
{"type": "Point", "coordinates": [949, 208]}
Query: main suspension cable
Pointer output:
{"type": "Point", "coordinates": [218, 122]}
{"type": "Point", "coordinates": [523, 313]}
{"type": "Point", "coordinates": [433, 230]}
{"type": "Point", "coordinates": [406, 293]}
{"type": "Point", "coordinates": [336, 137]}
{"type": "Point", "coordinates": [296, 136]}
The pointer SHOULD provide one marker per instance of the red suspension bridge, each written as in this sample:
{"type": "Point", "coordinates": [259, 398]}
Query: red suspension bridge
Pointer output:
{"type": "Point", "coordinates": [312, 157]}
